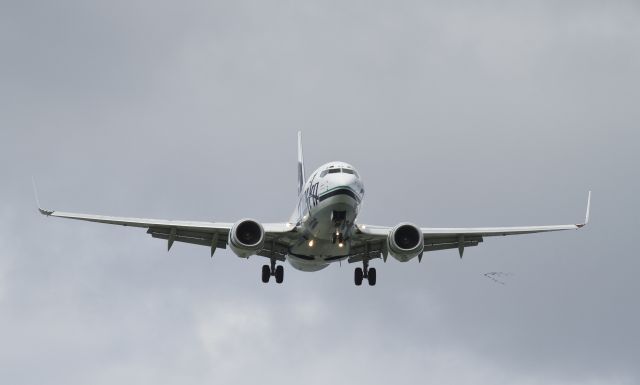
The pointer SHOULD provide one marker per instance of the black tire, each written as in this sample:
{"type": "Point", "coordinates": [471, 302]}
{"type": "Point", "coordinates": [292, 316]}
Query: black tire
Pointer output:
{"type": "Point", "coordinates": [372, 276]}
{"type": "Point", "coordinates": [266, 273]}
{"type": "Point", "coordinates": [279, 274]}
{"type": "Point", "coordinates": [357, 276]}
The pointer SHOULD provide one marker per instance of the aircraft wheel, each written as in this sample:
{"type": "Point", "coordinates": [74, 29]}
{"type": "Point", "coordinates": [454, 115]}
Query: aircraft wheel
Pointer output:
{"type": "Point", "coordinates": [372, 276]}
{"type": "Point", "coordinates": [358, 275]}
{"type": "Point", "coordinates": [279, 274]}
{"type": "Point", "coordinates": [266, 273]}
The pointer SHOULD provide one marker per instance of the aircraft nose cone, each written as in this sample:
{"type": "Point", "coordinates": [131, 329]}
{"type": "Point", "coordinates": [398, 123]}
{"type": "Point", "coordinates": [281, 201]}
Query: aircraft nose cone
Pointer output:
{"type": "Point", "coordinates": [345, 179]}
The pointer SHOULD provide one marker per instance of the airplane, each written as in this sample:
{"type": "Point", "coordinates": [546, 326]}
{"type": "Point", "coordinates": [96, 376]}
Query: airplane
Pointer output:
{"type": "Point", "coordinates": [322, 229]}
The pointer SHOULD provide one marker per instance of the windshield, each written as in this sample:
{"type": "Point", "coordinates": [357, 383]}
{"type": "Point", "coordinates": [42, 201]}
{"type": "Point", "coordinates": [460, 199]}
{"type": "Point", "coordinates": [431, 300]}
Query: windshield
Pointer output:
{"type": "Point", "coordinates": [338, 170]}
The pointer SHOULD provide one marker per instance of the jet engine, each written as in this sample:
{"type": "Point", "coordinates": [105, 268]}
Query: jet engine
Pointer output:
{"type": "Point", "coordinates": [246, 238]}
{"type": "Point", "coordinates": [405, 242]}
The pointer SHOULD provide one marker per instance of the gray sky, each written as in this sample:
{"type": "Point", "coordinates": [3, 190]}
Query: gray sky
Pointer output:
{"type": "Point", "coordinates": [465, 114]}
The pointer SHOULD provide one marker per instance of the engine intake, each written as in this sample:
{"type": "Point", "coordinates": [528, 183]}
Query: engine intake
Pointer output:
{"type": "Point", "coordinates": [405, 242]}
{"type": "Point", "coordinates": [246, 238]}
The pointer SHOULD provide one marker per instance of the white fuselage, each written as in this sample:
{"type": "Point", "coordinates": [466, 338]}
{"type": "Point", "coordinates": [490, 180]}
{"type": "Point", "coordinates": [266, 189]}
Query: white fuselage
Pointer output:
{"type": "Point", "coordinates": [326, 213]}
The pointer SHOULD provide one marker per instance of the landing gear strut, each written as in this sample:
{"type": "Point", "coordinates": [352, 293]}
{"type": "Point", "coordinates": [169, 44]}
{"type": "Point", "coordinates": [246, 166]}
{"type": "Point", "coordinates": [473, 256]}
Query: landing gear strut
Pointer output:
{"type": "Point", "coordinates": [273, 270]}
{"type": "Point", "coordinates": [365, 272]}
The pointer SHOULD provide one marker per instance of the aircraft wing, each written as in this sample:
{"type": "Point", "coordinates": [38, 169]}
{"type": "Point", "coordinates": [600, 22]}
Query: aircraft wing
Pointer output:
{"type": "Point", "coordinates": [436, 238]}
{"type": "Point", "coordinates": [211, 234]}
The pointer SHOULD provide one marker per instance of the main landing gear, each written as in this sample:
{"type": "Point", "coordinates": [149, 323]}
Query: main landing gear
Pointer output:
{"type": "Point", "coordinates": [365, 272]}
{"type": "Point", "coordinates": [273, 270]}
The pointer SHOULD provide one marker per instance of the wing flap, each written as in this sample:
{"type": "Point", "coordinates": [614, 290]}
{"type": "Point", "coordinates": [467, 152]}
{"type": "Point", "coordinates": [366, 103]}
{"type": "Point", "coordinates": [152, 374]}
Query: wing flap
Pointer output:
{"type": "Point", "coordinates": [446, 246]}
{"type": "Point", "coordinates": [203, 239]}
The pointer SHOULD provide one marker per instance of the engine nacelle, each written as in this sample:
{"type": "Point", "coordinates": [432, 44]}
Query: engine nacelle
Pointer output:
{"type": "Point", "coordinates": [405, 242]}
{"type": "Point", "coordinates": [246, 238]}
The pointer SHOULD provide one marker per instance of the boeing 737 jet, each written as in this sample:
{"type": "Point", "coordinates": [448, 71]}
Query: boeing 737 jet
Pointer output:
{"type": "Point", "coordinates": [321, 231]}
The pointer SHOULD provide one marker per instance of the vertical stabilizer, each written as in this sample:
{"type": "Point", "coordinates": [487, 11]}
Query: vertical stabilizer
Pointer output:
{"type": "Point", "coordinates": [301, 177]}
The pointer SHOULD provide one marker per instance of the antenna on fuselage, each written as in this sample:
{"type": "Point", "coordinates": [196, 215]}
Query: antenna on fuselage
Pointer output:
{"type": "Point", "coordinates": [301, 177]}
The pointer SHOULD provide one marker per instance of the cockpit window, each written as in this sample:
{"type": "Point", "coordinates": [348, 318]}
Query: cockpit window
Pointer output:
{"type": "Point", "coordinates": [338, 170]}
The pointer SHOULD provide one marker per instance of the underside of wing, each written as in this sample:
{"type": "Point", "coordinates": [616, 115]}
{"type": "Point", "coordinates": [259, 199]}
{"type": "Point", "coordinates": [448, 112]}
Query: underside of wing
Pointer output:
{"type": "Point", "coordinates": [211, 234]}
{"type": "Point", "coordinates": [140, 222]}
{"type": "Point", "coordinates": [448, 238]}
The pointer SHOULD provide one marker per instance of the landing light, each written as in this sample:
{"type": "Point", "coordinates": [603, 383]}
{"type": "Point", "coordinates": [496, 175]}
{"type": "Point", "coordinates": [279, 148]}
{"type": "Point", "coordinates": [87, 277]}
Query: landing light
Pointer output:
{"type": "Point", "coordinates": [311, 243]}
{"type": "Point", "coordinates": [340, 244]}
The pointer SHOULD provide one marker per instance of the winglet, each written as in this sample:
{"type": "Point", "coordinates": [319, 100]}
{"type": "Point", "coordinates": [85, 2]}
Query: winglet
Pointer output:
{"type": "Point", "coordinates": [35, 194]}
{"type": "Point", "coordinates": [586, 216]}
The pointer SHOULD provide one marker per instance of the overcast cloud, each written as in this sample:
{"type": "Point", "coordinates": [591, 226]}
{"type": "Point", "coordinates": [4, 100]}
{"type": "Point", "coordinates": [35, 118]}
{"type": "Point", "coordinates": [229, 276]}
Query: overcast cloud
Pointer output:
{"type": "Point", "coordinates": [456, 114]}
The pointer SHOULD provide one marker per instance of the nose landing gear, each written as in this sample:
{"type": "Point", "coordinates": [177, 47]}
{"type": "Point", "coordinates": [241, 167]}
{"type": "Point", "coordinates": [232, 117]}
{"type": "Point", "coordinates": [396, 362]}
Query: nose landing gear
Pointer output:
{"type": "Point", "coordinates": [339, 219]}
{"type": "Point", "coordinates": [273, 270]}
{"type": "Point", "coordinates": [365, 272]}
